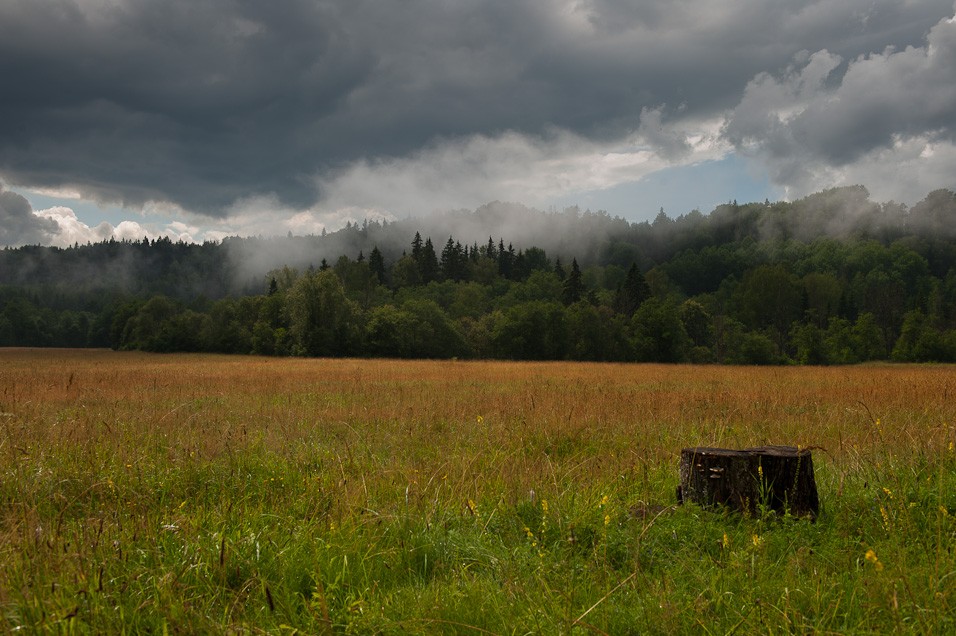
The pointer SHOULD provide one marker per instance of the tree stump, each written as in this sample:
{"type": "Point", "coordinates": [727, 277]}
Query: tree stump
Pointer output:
{"type": "Point", "coordinates": [779, 478]}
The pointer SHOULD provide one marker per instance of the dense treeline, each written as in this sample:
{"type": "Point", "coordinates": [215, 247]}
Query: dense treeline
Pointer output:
{"type": "Point", "coordinates": [830, 279]}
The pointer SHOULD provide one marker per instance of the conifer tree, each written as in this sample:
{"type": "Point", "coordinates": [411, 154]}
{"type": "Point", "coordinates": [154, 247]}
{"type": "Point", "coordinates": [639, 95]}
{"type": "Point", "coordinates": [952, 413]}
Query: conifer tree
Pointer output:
{"type": "Point", "coordinates": [559, 269]}
{"type": "Point", "coordinates": [632, 293]}
{"type": "Point", "coordinates": [453, 260]}
{"type": "Point", "coordinates": [417, 248]}
{"type": "Point", "coordinates": [490, 250]}
{"type": "Point", "coordinates": [429, 262]}
{"type": "Point", "coordinates": [573, 289]}
{"type": "Point", "coordinates": [376, 263]}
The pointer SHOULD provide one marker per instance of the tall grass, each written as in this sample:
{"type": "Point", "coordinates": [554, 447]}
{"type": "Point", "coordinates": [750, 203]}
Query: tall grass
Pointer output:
{"type": "Point", "coordinates": [207, 494]}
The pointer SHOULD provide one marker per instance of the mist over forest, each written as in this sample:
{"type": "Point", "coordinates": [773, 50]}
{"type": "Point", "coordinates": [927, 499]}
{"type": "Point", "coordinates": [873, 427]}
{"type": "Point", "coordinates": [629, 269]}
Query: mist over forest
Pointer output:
{"type": "Point", "coordinates": [832, 278]}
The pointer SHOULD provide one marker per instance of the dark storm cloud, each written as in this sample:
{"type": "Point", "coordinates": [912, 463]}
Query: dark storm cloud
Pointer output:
{"type": "Point", "coordinates": [18, 224]}
{"type": "Point", "coordinates": [193, 102]}
{"type": "Point", "coordinates": [203, 103]}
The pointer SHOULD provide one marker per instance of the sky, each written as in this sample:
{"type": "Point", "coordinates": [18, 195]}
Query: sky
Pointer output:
{"type": "Point", "coordinates": [211, 118]}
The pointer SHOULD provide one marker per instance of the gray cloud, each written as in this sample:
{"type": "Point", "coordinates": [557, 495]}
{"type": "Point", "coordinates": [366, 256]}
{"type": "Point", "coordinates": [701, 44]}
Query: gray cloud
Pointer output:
{"type": "Point", "coordinates": [18, 224]}
{"type": "Point", "coordinates": [824, 119]}
{"type": "Point", "coordinates": [201, 104]}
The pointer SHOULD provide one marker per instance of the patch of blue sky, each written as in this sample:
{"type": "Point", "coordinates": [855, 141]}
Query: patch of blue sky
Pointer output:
{"type": "Point", "coordinates": [679, 190]}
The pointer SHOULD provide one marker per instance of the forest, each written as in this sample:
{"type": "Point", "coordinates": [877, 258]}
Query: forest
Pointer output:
{"type": "Point", "coordinates": [833, 278]}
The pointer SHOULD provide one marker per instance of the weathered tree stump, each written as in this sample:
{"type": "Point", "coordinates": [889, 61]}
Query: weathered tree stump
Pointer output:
{"type": "Point", "coordinates": [777, 477]}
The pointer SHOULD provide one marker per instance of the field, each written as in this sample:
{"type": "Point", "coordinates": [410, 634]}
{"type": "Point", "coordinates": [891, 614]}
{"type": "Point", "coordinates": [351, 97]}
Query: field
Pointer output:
{"type": "Point", "coordinates": [196, 494]}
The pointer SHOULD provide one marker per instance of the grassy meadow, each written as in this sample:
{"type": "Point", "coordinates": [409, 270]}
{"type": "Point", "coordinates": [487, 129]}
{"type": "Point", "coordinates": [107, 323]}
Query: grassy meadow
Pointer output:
{"type": "Point", "coordinates": [197, 494]}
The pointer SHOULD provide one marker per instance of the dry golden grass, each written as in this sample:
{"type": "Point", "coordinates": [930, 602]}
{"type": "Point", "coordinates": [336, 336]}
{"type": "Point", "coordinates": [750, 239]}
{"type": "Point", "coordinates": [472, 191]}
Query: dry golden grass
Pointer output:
{"type": "Point", "coordinates": [654, 404]}
{"type": "Point", "coordinates": [495, 422]}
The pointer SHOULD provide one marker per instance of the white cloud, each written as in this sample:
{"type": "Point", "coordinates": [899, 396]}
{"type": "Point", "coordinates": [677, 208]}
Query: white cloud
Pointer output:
{"type": "Point", "coordinates": [179, 231]}
{"type": "Point", "coordinates": [888, 122]}
{"type": "Point", "coordinates": [69, 229]}
{"type": "Point", "coordinates": [905, 172]}
{"type": "Point", "coordinates": [468, 172]}
{"type": "Point", "coordinates": [130, 231]}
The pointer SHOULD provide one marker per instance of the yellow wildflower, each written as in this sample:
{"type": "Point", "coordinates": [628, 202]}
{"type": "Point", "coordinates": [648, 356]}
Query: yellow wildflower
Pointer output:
{"type": "Point", "coordinates": [871, 557]}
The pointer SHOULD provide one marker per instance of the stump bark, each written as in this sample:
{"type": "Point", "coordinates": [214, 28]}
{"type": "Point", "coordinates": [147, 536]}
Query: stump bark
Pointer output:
{"type": "Point", "coordinates": [779, 478]}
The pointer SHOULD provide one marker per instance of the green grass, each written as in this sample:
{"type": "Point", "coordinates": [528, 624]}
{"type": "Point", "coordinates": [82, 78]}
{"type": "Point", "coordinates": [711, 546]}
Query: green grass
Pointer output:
{"type": "Point", "coordinates": [207, 523]}
{"type": "Point", "coordinates": [265, 542]}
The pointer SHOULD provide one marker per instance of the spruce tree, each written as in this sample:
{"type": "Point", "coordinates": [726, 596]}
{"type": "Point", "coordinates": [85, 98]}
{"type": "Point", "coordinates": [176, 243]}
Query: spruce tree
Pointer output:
{"type": "Point", "coordinates": [559, 269]}
{"type": "Point", "coordinates": [376, 263]}
{"type": "Point", "coordinates": [429, 262]}
{"type": "Point", "coordinates": [490, 250]}
{"type": "Point", "coordinates": [417, 248]}
{"type": "Point", "coordinates": [632, 293]}
{"type": "Point", "coordinates": [573, 289]}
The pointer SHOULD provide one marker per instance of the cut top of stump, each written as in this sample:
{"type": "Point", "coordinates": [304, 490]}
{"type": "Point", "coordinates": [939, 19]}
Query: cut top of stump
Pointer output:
{"type": "Point", "coordinates": [778, 478]}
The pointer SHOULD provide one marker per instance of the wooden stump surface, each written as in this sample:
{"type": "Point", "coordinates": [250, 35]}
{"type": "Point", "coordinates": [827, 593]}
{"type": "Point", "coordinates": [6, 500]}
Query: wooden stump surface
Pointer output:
{"type": "Point", "coordinates": [777, 477]}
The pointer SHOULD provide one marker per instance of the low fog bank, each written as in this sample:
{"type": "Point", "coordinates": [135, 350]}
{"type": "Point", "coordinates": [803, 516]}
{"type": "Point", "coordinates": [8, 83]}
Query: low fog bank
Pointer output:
{"type": "Point", "coordinates": [568, 234]}
{"type": "Point", "coordinates": [242, 265]}
{"type": "Point", "coordinates": [598, 238]}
